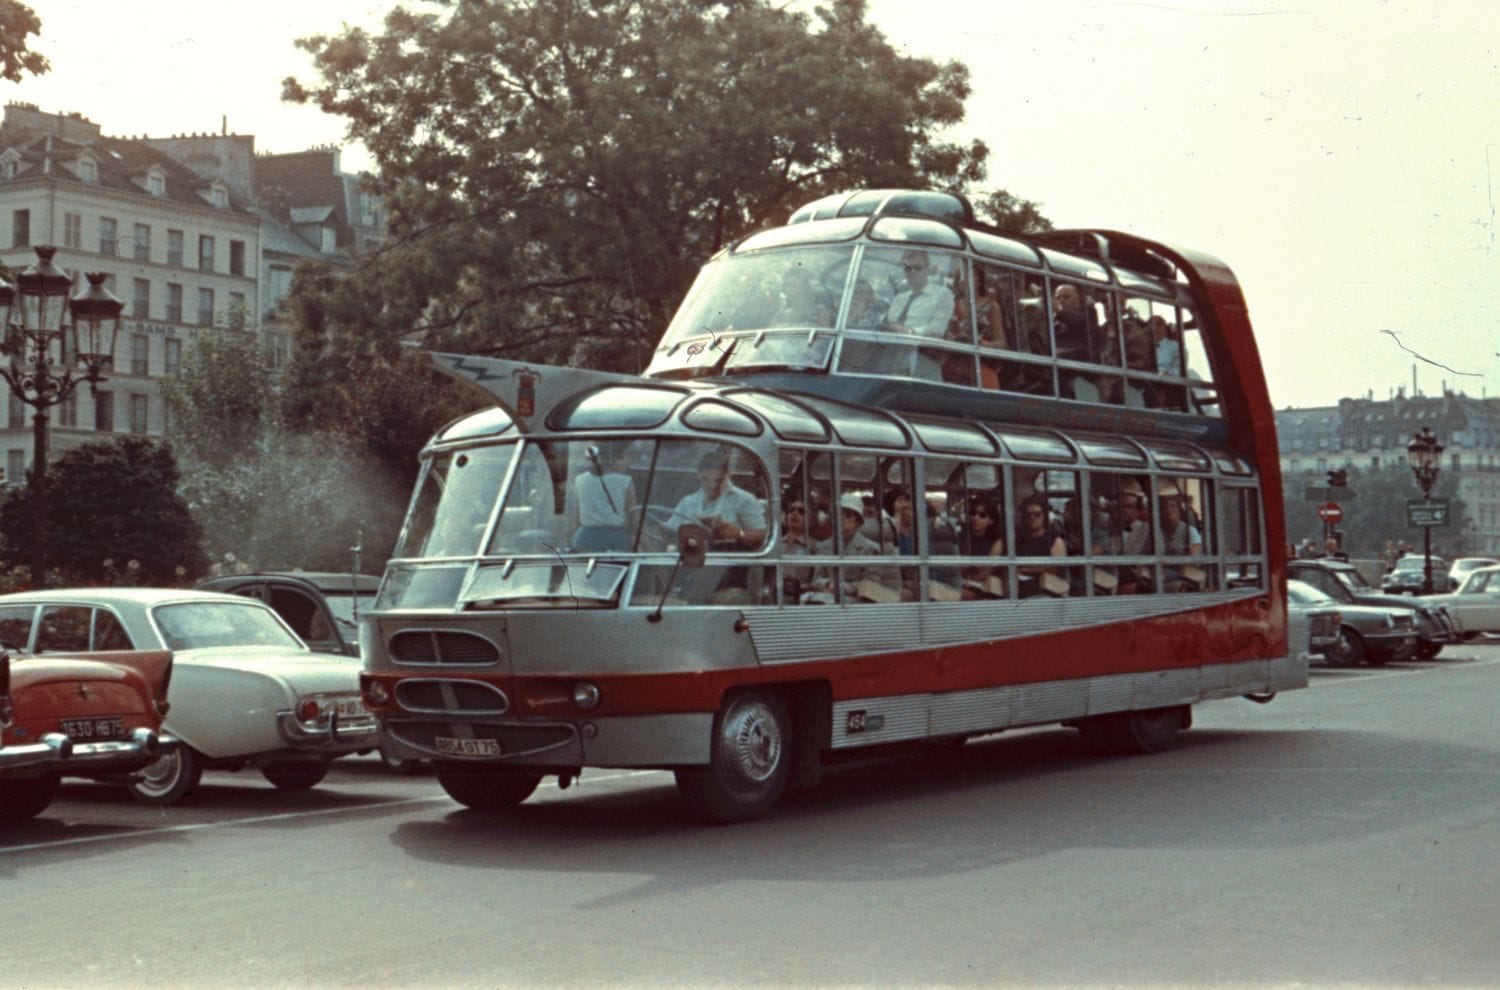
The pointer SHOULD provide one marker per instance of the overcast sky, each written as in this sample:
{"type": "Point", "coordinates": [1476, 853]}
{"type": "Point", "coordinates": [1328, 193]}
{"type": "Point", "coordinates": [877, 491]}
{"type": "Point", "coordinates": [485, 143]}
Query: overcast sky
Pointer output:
{"type": "Point", "coordinates": [1339, 156]}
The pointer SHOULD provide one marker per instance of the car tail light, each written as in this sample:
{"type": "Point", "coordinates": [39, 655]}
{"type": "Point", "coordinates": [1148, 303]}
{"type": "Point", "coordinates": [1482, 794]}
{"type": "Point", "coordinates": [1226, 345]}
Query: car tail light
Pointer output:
{"type": "Point", "coordinates": [5, 710]}
{"type": "Point", "coordinates": [309, 709]}
{"type": "Point", "coordinates": [162, 704]}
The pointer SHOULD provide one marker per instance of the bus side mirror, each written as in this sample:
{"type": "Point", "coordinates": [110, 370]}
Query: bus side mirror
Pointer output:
{"type": "Point", "coordinates": [693, 541]}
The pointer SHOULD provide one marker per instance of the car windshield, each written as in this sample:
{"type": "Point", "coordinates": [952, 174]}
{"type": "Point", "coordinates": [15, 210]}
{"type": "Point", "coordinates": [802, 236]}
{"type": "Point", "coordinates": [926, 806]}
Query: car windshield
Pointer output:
{"type": "Point", "coordinates": [196, 625]}
{"type": "Point", "coordinates": [1353, 580]}
{"type": "Point", "coordinates": [1304, 594]}
{"type": "Point", "coordinates": [342, 605]}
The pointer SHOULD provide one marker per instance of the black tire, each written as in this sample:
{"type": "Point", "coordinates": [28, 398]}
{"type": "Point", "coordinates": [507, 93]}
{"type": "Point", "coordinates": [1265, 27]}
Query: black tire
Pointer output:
{"type": "Point", "coordinates": [1148, 731]}
{"type": "Point", "coordinates": [1350, 650]}
{"type": "Point", "coordinates": [749, 760]}
{"type": "Point", "coordinates": [295, 776]}
{"type": "Point", "coordinates": [170, 778]}
{"type": "Point", "coordinates": [489, 788]}
{"type": "Point", "coordinates": [26, 798]}
{"type": "Point", "coordinates": [1428, 650]}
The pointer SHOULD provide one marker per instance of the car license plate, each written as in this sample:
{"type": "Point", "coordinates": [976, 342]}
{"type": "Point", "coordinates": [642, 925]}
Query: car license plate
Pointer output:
{"type": "Point", "coordinates": [90, 729]}
{"type": "Point", "coordinates": [350, 708]}
{"type": "Point", "coordinates": [449, 746]}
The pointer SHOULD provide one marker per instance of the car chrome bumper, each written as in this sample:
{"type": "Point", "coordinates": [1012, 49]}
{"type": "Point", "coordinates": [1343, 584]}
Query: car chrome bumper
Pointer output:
{"type": "Point", "coordinates": [332, 735]}
{"type": "Point", "coordinates": [56, 750]}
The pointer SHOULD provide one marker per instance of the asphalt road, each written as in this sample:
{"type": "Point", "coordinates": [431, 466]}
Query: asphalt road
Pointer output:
{"type": "Point", "coordinates": [1346, 835]}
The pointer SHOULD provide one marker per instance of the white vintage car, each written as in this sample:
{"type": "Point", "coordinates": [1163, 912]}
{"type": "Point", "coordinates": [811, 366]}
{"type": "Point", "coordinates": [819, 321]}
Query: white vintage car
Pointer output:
{"type": "Point", "coordinates": [245, 690]}
{"type": "Point", "coordinates": [1476, 603]}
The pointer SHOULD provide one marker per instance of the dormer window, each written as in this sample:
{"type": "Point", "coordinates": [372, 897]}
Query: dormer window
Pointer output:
{"type": "Point", "coordinates": [10, 164]}
{"type": "Point", "coordinates": [156, 181]}
{"type": "Point", "coordinates": [88, 169]}
{"type": "Point", "coordinates": [218, 195]}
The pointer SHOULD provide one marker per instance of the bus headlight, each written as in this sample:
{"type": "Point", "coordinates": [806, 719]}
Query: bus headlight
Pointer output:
{"type": "Point", "coordinates": [585, 695]}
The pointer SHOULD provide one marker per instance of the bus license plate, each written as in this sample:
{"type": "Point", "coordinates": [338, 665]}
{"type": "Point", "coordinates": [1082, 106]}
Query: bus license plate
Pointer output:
{"type": "Point", "coordinates": [449, 746]}
{"type": "Point", "coordinates": [87, 729]}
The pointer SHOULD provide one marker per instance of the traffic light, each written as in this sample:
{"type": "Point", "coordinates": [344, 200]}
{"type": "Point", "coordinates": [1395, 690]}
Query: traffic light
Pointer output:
{"type": "Point", "coordinates": [1338, 479]}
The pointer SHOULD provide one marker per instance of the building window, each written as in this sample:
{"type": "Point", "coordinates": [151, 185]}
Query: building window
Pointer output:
{"type": "Point", "coordinates": [174, 248]}
{"type": "Point", "coordinates": [236, 257]}
{"type": "Point", "coordinates": [156, 184]}
{"type": "Point", "coordinates": [140, 413]}
{"type": "Point", "coordinates": [67, 412]}
{"type": "Point", "coordinates": [8, 168]}
{"type": "Point", "coordinates": [140, 300]}
{"type": "Point", "coordinates": [205, 307]}
{"type": "Point", "coordinates": [16, 419]}
{"type": "Point", "coordinates": [15, 467]}
{"type": "Point", "coordinates": [237, 305]}
{"type": "Point", "coordinates": [143, 242]}
{"type": "Point", "coordinates": [173, 355]}
{"type": "Point", "coordinates": [73, 230]}
{"type": "Point", "coordinates": [206, 253]}
{"type": "Point", "coordinates": [174, 302]}
{"type": "Point", "coordinates": [104, 411]}
{"type": "Point", "coordinates": [20, 228]}
{"type": "Point", "coordinates": [140, 354]}
{"type": "Point", "coordinates": [219, 196]}
{"type": "Point", "coordinates": [109, 233]}
{"type": "Point", "coordinates": [88, 171]}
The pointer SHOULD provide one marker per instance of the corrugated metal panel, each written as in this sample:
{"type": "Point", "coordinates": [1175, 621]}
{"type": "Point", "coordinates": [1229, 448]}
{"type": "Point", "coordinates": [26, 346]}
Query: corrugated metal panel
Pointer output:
{"type": "Point", "coordinates": [972, 711]}
{"type": "Point", "coordinates": [880, 720]}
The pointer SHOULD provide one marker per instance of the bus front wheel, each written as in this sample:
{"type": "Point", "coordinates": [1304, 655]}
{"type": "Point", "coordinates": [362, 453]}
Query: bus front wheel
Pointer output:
{"type": "Point", "coordinates": [1148, 731]}
{"type": "Point", "coordinates": [748, 762]}
{"type": "Point", "coordinates": [488, 788]}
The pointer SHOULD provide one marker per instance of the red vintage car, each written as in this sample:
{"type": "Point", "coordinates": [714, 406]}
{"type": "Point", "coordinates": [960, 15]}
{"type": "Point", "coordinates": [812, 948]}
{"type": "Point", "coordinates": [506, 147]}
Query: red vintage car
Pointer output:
{"type": "Point", "coordinates": [80, 715]}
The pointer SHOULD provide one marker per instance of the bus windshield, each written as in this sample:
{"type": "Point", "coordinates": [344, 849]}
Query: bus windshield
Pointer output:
{"type": "Point", "coordinates": [791, 289]}
{"type": "Point", "coordinates": [590, 497]}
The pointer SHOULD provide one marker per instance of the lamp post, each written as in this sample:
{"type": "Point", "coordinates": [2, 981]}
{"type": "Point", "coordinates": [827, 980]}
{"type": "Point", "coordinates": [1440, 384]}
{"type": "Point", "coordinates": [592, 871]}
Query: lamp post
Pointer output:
{"type": "Point", "coordinates": [44, 351]}
{"type": "Point", "coordinates": [1425, 455]}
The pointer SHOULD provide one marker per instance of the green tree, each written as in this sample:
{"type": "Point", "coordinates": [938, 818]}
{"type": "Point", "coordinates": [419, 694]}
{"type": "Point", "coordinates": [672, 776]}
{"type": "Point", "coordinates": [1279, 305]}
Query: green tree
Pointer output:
{"type": "Point", "coordinates": [1011, 214]}
{"type": "Point", "coordinates": [1376, 514]}
{"type": "Point", "coordinates": [17, 22]}
{"type": "Point", "coordinates": [110, 503]}
{"type": "Point", "coordinates": [557, 170]}
{"type": "Point", "coordinates": [223, 399]}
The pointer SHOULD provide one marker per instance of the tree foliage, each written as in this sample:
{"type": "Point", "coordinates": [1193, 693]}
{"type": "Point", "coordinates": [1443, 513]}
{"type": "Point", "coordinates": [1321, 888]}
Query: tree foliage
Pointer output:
{"type": "Point", "coordinates": [109, 503]}
{"type": "Point", "coordinates": [223, 398]}
{"type": "Point", "coordinates": [17, 23]}
{"type": "Point", "coordinates": [1377, 514]}
{"type": "Point", "coordinates": [557, 170]}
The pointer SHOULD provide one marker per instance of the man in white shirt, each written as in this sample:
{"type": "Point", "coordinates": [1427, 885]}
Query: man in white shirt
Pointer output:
{"type": "Point", "coordinates": [732, 515]}
{"type": "Point", "coordinates": [923, 308]}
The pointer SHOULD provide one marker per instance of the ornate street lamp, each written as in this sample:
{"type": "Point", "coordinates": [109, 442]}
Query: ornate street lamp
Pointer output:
{"type": "Point", "coordinates": [1425, 455]}
{"type": "Point", "coordinates": [43, 354]}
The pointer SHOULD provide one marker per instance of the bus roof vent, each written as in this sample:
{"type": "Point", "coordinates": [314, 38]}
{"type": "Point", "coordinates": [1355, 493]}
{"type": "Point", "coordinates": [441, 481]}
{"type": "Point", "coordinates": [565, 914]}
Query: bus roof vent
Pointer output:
{"type": "Point", "coordinates": [905, 202]}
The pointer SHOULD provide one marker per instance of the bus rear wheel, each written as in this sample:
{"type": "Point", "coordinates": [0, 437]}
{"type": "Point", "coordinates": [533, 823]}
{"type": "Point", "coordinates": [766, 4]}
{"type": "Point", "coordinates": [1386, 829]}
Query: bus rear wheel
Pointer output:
{"type": "Point", "coordinates": [1150, 730]}
{"type": "Point", "coordinates": [26, 798]}
{"type": "Point", "coordinates": [489, 788]}
{"type": "Point", "coordinates": [748, 762]}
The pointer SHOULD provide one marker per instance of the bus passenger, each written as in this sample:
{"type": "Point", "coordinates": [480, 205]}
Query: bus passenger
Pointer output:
{"type": "Point", "coordinates": [1073, 324]}
{"type": "Point", "coordinates": [1036, 538]}
{"type": "Point", "coordinates": [802, 303]}
{"type": "Point", "coordinates": [1179, 537]}
{"type": "Point", "coordinates": [864, 307]}
{"type": "Point", "coordinates": [734, 518]}
{"type": "Point", "coordinates": [795, 542]}
{"type": "Point", "coordinates": [985, 538]}
{"type": "Point", "coordinates": [922, 308]}
{"type": "Point", "coordinates": [606, 496]}
{"type": "Point", "coordinates": [863, 583]}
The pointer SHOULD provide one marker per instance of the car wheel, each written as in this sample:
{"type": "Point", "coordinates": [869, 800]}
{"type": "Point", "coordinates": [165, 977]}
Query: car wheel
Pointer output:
{"type": "Point", "coordinates": [26, 798]}
{"type": "Point", "coordinates": [748, 762]}
{"type": "Point", "coordinates": [170, 778]}
{"type": "Point", "coordinates": [1428, 650]}
{"type": "Point", "coordinates": [1349, 651]}
{"type": "Point", "coordinates": [397, 764]}
{"type": "Point", "coordinates": [295, 776]}
{"type": "Point", "coordinates": [488, 788]}
{"type": "Point", "coordinates": [1148, 731]}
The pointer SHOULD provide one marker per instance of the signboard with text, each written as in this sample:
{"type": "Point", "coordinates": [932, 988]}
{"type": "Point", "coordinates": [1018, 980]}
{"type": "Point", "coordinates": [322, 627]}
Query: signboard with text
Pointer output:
{"type": "Point", "coordinates": [1426, 512]}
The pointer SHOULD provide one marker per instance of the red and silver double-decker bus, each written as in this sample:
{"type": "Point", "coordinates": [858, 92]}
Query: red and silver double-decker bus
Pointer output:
{"type": "Point", "coordinates": [891, 477]}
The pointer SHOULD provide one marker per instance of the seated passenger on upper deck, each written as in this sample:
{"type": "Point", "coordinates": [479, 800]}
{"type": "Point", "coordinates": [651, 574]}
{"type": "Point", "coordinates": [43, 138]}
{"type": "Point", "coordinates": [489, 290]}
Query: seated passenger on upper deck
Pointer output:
{"type": "Point", "coordinates": [922, 308]}
{"type": "Point", "coordinates": [1073, 324]}
{"type": "Point", "coordinates": [802, 302]}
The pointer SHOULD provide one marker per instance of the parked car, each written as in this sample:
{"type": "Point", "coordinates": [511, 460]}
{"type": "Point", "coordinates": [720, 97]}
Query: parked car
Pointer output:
{"type": "Point", "coordinates": [245, 690]}
{"type": "Point", "coordinates": [1321, 614]}
{"type": "Point", "coordinates": [1476, 604]}
{"type": "Point", "coordinates": [1409, 576]}
{"type": "Point", "coordinates": [1463, 566]}
{"type": "Point", "coordinates": [1342, 582]}
{"type": "Point", "coordinates": [64, 716]}
{"type": "Point", "coordinates": [1369, 634]}
{"type": "Point", "coordinates": [321, 606]}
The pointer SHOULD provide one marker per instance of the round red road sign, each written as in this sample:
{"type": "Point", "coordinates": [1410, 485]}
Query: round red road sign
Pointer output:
{"type": "Point", "coordinates": [1330, 512]}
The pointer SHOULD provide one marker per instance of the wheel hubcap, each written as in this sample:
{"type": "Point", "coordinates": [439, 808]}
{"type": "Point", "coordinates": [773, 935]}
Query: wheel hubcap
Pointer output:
{"type": "Point", "coordinates": [751, 743]}
{"type": "Point", "coordinates": [159, 775]}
